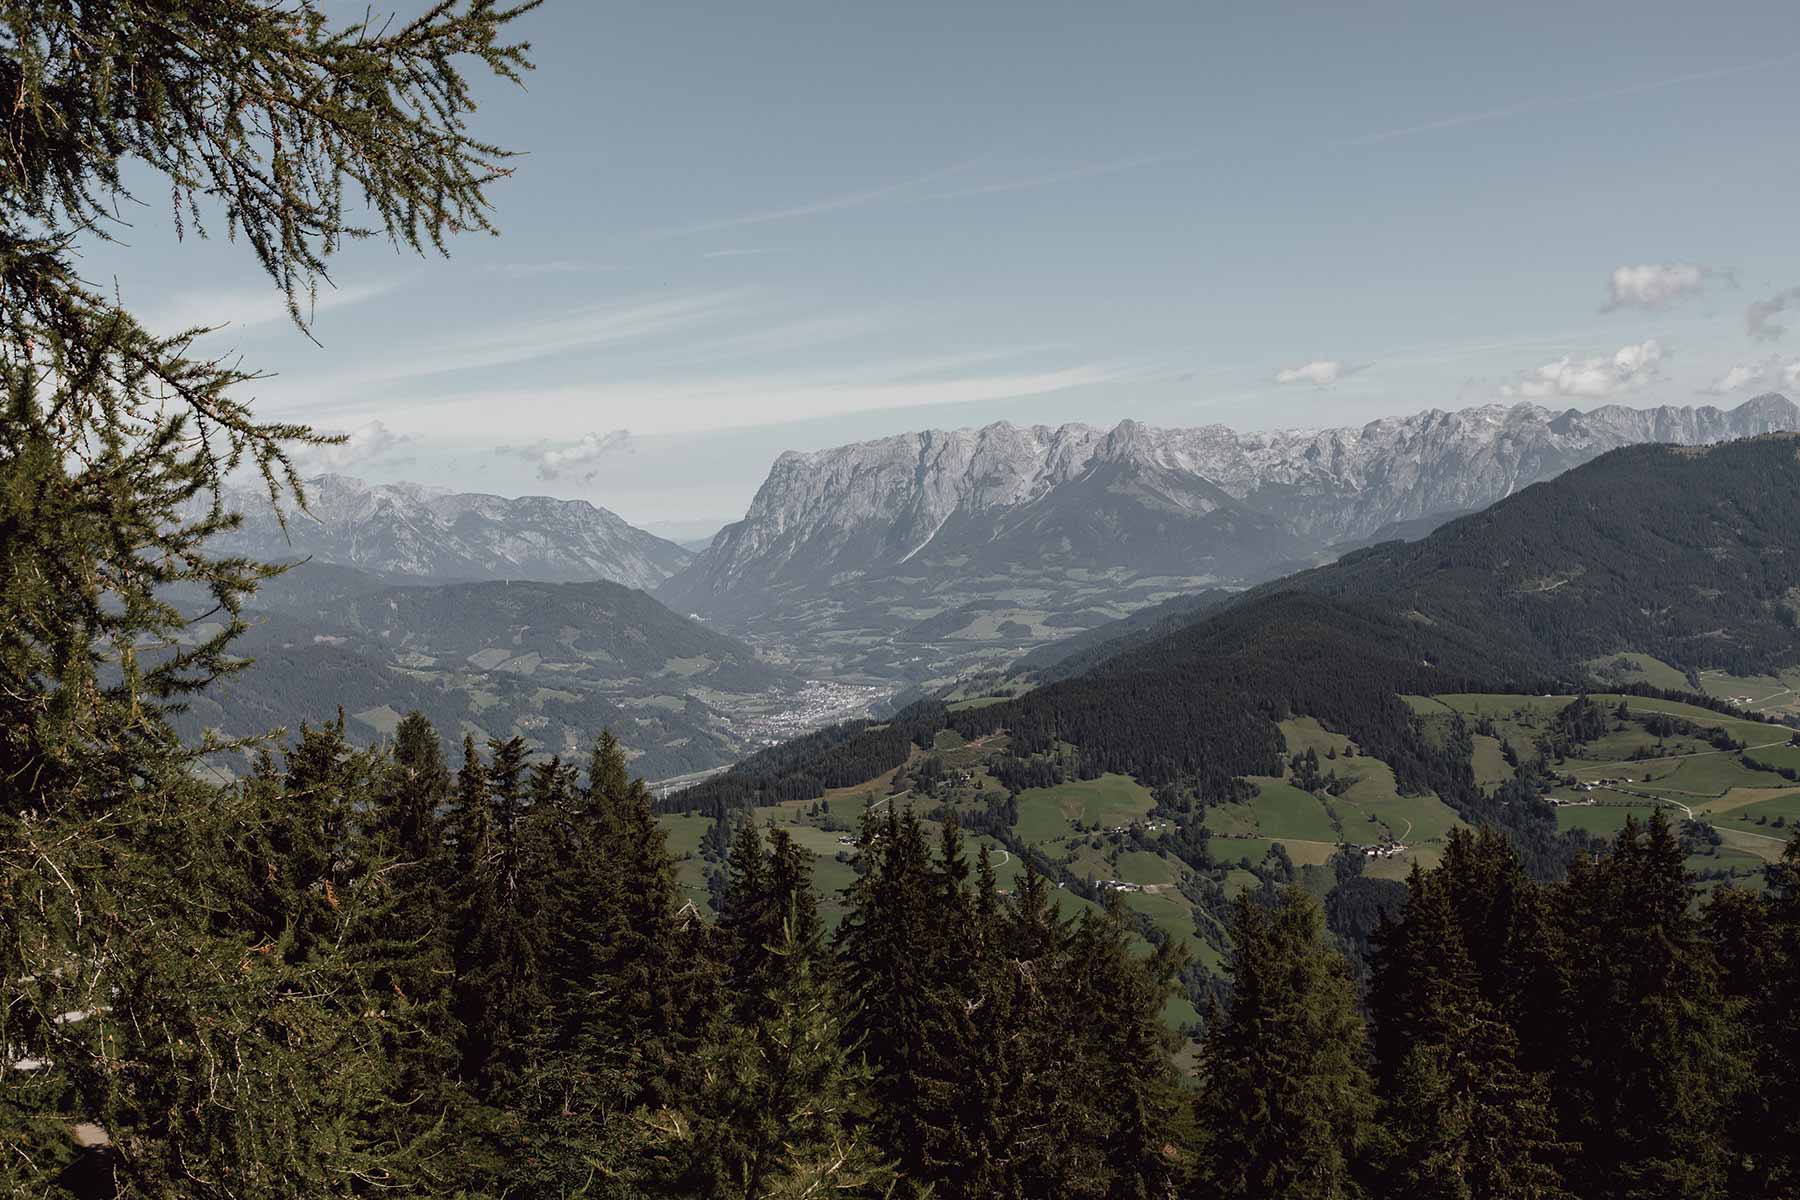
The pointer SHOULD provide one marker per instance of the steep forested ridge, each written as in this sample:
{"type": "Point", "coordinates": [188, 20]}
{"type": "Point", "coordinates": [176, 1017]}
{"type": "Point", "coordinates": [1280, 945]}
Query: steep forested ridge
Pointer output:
{"type": "Point", "coordinates": [1688, 553]}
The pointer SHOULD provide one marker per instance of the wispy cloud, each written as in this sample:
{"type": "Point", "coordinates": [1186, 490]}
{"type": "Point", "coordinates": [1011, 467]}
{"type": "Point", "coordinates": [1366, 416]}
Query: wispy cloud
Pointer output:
{"type": "Point", "coordinates": [239, 308]}
{"type": "Point", "coordinates": [1541, 103]}
{"type": "Point", "coordinates": [1759, 318]}
{"type": "Point", "coordinates": [745, 252]}
{"type": "Point", "coordinates": [584, 329]}
{"type": "Point", "coordinates": [739, 400]}
{"type": "Point", "coordinates": [811, 208]}
{"type": "Point", "coordinates": [553, 266]}
{"type": "Point", "coordinates": [1021, 183]}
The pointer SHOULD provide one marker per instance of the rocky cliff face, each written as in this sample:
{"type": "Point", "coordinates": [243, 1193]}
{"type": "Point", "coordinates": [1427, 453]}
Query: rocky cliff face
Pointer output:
{"type": "Point", "coordinates": [404, 531]}
{"type": "Point", "coordinates": [886, 530]}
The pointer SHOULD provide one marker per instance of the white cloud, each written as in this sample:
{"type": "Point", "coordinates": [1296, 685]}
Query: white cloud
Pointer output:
{"type": "Point", "coordinates": [553, 462]}
{"type": "Point", "coordinates": [1759, 318]}
{"type": "Point", "coordinates": [584, 454]}
{"type": "Point", "coordinates": [1627, 368]}
{"type": "Point", "coordinates": [1740, 377]}
{"type": "Point", "coordinates": [1654, 285]}
{"type": "Point", "coordinates": [1321, 372]}
{"type": "Point", "coordinates": [595, 327]}
{"type": "Point", "coordinates": [365, 443]}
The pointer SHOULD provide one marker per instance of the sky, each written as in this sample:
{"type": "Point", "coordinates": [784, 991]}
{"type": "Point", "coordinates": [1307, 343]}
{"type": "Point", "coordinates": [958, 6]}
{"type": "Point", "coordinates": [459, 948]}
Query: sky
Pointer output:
{"type": "Point", "coordinates": [741, 229]}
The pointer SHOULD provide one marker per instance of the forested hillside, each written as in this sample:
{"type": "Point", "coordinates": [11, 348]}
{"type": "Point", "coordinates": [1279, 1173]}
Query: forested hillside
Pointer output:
{"type": "Point", "coordinates": [601, 629]}
{"type": "Point", "coordinates": [1703, 562]}
{"type": "Point", "coordinates": [1686, 553]}
{"type": "Point", "coordinates": [545, 661]}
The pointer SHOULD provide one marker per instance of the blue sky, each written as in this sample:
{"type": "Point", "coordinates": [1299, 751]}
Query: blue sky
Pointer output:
{"type": "Point", "coordinates": [747, 228]}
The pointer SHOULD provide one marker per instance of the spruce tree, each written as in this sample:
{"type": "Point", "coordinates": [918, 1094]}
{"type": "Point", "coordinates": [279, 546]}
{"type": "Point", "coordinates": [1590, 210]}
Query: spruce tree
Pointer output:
{"type": "Point", "coordinates": [1286, 1102]}
{"type": "Point", "coordinates": [782, 1112]}
{"type": "Point", "coordinates": [1653, 1053]}
{"type": "Point", "coordinates": [1464, 1122]}
{"type": "Point", "coordinates": [263, 119]}
{"type": "Point", "coordinates": [887, 953]}
{"type": "Point", "coordinates": [407, 952]}
{"type": "Point", "coordinates": [500, 952]}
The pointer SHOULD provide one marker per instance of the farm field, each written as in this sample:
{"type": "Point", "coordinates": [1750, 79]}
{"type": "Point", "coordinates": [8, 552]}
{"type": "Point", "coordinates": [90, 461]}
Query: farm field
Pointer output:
{"type": "Point", "coordinates": [1787, 756]}
{"type": "Point", "coordinates": [1604, 820]}
{"type": "Point", "coordinates": [1491, 767]}
{"type": "Point", "coordinates": [1283, 811]}
{"type": "Point", "coordinates": [1627, 669]}
{"type": "Point", "coordinates": [976, 702]}
{"type": "Point", "coordinates": [1755, 810]}
{"type": "Point", "coordinates": [1759, 693]}
{"type": "Point", "coordinates": [1303, 853]}
{"type": "Point", "coordinates": [1046, 813]}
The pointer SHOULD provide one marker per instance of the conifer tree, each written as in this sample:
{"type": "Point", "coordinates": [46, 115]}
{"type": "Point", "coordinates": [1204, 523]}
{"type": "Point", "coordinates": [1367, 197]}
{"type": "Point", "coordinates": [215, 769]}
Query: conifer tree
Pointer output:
{"type": "Point", "coordinates": [1286, 1102]}
{"type": "Point", "coordinates": [407, 951]}
{"type": "Point", "coordinates": [1463, 1120]}
{"type": "Point", "coordinates": [1757, 941]}
{"type": "Point", "coordinates": [783, 1107]}
{"type": "Point", "coordinates": [1654, 1055]}
{"type": "Point", "coordinates": [263, 119]}
{"type": "Point", "coordinates": [887, 953]}
{"type": "Point", "coordinates": [1121, 999]}
{"type": "Point", "coordinates": [499, 950]}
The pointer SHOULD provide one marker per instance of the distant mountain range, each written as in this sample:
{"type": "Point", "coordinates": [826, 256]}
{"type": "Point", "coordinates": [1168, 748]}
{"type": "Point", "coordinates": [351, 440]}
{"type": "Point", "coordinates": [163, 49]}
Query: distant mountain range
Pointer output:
{"type": "Point", "coordinates": [551, 662]}
{"type": "Point", "coordinates": [1688, 555]}
{"type": "Point", "coordinates": [404, 531]}
{"type": "Point", "coordinates": [1026, 534]}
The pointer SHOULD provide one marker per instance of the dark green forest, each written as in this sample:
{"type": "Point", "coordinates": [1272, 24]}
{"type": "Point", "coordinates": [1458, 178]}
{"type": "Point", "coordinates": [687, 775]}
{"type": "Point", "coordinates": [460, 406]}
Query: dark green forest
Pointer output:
{"type": "Point", "coordinates": [387, 972]}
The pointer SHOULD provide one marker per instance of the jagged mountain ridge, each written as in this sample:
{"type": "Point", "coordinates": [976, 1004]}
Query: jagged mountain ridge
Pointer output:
{"type": "Point", "coordinates": [405, 532]}
{"type": "Point", "coordinates": [1208, 503]}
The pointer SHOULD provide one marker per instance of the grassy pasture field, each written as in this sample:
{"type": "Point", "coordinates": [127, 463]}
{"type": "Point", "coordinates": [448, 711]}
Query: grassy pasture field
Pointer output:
{"type": "Point", "coordinates": [1283, 811]}
{"type": "Point", "coordinates": [1144, 866]}
{"type": "Point", "coordinates": [1633, 668]}
{"type": "Point", "coordinates": [1491, 767]}
{"type": "Point", "coordinates": [1703, 775]}
{"type": "Point", "coordinates": [1605, 820]}
{"type": "Point", "coordinates": [1401, 865]}
{"type": "Point", "coordinates": [1756, 810]}
{"type": "Point", "coordinates": [1303, 853]}
{"type": "Point", "coordinates": [1778, 693]}
{"type": "Point", "coordinates": [1778, 756]}
{"type": "Point", "coordinates": [1045, 813]}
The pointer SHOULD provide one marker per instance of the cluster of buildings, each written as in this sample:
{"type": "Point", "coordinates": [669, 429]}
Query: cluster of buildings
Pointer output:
{"type": "Point", "coordinates": [1141, 826]}
{"type": "Point", "coordinates": [821, 702]}
{"type": "Point", "coordinates": [1383, 849]}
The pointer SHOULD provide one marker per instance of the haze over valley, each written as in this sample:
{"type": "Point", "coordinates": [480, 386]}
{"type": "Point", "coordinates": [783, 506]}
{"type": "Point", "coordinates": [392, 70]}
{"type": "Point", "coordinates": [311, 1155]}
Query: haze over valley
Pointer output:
{"type": "Point", "coordinates": [859, 574]}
